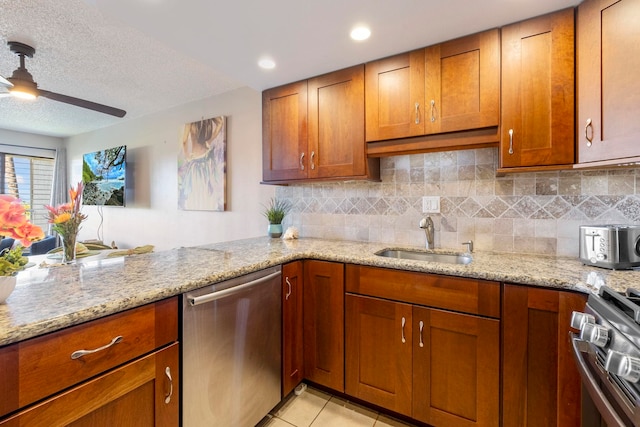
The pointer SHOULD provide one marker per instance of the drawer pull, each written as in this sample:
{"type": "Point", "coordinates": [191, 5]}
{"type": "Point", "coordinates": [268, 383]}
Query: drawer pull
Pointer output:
{"type": "Point", "coordinates": [78, 354]}
{"type": "Point", "coordinates": [434, 111]}
{"type": "Point", "coordinates": [403, 322]}
{"type": "Point", "coordinates": [510, 141]}
{"type": "Point", "coordinates": [421, 328]}
{"type": "Point", "coordinates": [167, 372]}
{"type": "Point", "coordinates": [586, 132]}
{"type": "Point", "coordinates": [286, 297]}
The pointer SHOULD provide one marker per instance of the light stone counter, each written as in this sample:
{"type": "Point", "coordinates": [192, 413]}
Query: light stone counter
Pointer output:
{"type": "Point", "coordinates": [48, 299]}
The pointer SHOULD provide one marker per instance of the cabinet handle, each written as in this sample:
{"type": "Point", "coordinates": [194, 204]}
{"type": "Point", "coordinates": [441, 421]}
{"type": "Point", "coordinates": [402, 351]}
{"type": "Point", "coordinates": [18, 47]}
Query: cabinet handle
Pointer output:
{"type": "Point", "coordinates": [167, 372]}
{"type": "Point", "coordinates": [586, 132]}
{"type": "Point", "coordinates": [79, 353]}
{"type": "Point", "coordinates": [313, 155]}
{"type": "Point", "coordinates": [301, 161]}
{"type": "Point", "coordinates": [403, 322]}
{"type": "Point", "coordinates": [417, 113]}
{"type": "Point", "coordinates": [510, 141]}
{"type": "Point", "coordinates": [286, 297]}
{"type": "Point", "coordinates": [434, 111]}
{"type": "Point", "coordinates": [421, 328]}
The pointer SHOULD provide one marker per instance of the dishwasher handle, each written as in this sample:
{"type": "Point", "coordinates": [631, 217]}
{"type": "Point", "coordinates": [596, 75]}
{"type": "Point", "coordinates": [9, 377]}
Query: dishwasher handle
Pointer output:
{"type": "Point", "coordinates": [216, 295]}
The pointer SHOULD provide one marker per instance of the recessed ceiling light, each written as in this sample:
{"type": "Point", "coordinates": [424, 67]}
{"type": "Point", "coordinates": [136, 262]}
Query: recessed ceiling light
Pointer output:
{"type": "Point", "coordinates": [360, 33]}
{"type": "Point", "coordinates": [267, 63]}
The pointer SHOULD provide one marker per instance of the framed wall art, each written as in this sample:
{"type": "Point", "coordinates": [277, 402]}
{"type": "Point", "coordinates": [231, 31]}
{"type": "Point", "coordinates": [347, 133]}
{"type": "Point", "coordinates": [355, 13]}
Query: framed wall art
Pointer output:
{"type": "Point", "coordinates": [202, 167]}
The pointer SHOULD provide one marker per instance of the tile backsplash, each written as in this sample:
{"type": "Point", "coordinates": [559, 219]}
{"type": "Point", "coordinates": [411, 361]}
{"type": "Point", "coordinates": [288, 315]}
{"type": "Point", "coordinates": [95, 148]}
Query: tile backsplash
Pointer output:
{"type": "Point", "coordinates": [525, 212]}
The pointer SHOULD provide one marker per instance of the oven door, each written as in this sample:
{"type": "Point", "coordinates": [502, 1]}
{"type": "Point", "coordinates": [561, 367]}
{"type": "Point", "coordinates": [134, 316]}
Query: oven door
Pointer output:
{"type": "Point", "coordinates": [604, 403]}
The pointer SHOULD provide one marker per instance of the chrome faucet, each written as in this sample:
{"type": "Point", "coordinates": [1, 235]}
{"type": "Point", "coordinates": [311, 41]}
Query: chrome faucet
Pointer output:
{"type": "Point", "coordinates": [426, 224]}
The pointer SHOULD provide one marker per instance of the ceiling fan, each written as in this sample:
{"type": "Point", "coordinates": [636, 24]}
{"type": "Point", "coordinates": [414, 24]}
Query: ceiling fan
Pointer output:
{"type": "Point", "coordinates": [22, 85]}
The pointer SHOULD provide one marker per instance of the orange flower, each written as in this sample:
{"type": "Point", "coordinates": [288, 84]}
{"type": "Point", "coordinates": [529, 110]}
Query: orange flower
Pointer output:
{"type": "Point", "coordinates": [61, 217]}
{"type": "Point", "coordinates": [14, 223]}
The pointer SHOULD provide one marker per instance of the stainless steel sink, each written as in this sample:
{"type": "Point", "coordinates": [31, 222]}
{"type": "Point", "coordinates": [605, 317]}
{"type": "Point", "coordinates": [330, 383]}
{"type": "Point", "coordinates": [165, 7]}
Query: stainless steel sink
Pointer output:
{"type": "Point", "coordinates": [425, 256]}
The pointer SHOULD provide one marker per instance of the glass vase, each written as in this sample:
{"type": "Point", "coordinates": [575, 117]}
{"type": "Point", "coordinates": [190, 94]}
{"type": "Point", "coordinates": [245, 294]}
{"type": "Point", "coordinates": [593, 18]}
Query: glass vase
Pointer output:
{"type": "Point", "coordinates": [68, 248]}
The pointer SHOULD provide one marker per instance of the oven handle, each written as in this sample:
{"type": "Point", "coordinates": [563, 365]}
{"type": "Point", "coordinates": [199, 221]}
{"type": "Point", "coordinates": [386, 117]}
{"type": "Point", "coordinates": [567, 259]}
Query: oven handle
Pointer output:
{"type": "Point", "coordinates": [607, 412]}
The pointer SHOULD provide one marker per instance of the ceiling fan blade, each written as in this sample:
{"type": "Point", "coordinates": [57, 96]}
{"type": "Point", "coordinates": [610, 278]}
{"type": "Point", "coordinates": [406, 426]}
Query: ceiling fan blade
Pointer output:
{"type": "Point", "coordinates": [82, 103]}
{"type": "Point", "coordinates": [5, 82]}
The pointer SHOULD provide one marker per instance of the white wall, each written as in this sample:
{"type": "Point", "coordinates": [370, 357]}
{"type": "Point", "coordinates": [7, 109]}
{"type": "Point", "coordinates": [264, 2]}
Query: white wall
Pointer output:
{"type": "Point", "coordinates": [151, 215]}
{"type": "Point", "coordinates": [10, 137]}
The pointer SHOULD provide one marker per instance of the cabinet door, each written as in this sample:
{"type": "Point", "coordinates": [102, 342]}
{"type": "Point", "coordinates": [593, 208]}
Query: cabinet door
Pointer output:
{"type": "Point", "coordinates": [336, 124]}
{"type": "Point", "coordinates": [538, 92]}
{"type": "Point", "coordinates": [324, 323]}
{"type": "Point", "coordinates": [394, 94]}
{"type": "Point", "coordinates": [463, 83]}
{"type": "Point", "coordinates": [456, 369]}
{"type": "Point", "coordinates": [141, 393]}
{"type": "Point", "coordinates": [292, 357]}
{"type": "Point", "coordinates": [608, 87]}
{"type": "Point", "coordinates": [540, 382]}
{"type": "Point", "coordinates": [284, 132]}
{"type": "Point", "coordinates": [378, 334]}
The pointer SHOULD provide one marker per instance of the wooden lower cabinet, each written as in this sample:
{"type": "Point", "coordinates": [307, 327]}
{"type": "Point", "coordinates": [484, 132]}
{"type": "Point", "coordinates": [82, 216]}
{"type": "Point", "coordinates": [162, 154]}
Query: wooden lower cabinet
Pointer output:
{"type": "Point", "coordinates": [140, 393]}
{"type": "Point", "coordinates": [379, 352]}
{"type": "Point", "coordinates": [540, 382]}
{"type": "Point", "coordinates": [456, 369]}
{"type": "Point", "coordinates": [292, 356]}
{"type": "Point", "coordinates": [324, 323]}
{"type": "Point", "coordinates": [435, 366]}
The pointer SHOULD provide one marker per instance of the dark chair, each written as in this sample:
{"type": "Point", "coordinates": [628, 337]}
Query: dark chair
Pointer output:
{"type": "Point", "coordinates": [43, 246]}
{"type": "Point", "coordinates": [6, 243]}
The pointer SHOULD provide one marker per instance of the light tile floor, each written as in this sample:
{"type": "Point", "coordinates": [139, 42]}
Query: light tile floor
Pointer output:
{"type": "Point", "coordinates": [314, 408]}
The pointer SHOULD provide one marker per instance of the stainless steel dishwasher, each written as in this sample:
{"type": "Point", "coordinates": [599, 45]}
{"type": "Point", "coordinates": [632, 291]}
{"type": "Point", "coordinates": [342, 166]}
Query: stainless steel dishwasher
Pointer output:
{"type": "Point", "coordinates": [231, 351]}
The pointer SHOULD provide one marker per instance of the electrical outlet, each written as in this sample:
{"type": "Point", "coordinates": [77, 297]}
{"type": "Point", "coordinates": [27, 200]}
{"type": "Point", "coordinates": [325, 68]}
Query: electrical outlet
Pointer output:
{"type": "Point", "coordinates": [431, 204]}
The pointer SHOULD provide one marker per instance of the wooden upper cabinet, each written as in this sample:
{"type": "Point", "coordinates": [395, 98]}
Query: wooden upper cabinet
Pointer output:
{"type": "Point", "coordinates": [538, 92]}
{"type": "Point", "coordinates": [449, 87]}
{"type": "Point", "coordinates": [463, 83]}
{"type": "Point", "coordinates": [314, 129]}
{"type": "Point", "coordinates": [336, 124]}
{"type": "Point", "coordinates": [284, 132]}
{"type": "Point", "coordinates": [608, 87]}
{"type": "Point", "coordinates": [394, 93]}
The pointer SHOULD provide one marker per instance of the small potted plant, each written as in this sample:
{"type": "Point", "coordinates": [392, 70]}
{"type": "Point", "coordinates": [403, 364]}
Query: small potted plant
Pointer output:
{"type": "Point", "coordinates": [275, 213]}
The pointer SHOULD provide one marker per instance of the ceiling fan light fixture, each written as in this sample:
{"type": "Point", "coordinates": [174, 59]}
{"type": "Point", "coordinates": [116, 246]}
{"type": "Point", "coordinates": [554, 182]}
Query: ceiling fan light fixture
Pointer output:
{"type": "Point", "coordinates": [23, 89]}
{"type": "Point", "coordinates": [19, 93]}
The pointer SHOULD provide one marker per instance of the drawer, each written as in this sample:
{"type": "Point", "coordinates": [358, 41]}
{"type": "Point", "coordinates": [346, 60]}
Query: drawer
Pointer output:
{"type": "Point", "coordinates": [44, 365]}
{"type": "Point", "coordinates": [432, 290]}
{"type": "Point", "coordinates": [144, 392]}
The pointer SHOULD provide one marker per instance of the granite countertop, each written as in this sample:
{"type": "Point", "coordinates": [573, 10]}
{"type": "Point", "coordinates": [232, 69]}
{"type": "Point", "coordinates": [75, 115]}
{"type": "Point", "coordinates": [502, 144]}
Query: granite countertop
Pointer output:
{"type": "Point", "coordinates": [48, 299]}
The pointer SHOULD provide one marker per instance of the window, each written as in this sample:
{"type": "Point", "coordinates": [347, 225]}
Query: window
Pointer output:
{"type": "Point", "coordinates": [30, 179]}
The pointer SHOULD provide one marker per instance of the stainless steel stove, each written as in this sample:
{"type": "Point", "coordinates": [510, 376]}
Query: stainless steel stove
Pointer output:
{"type": "Point", "coordinates": [607, 352]}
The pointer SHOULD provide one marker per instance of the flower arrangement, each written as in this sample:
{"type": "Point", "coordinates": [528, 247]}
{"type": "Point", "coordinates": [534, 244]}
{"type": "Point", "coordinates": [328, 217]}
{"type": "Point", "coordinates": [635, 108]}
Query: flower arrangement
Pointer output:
{"type": "Point", "coordinates": [14, 224]}
{"type": "Point", "coordinates": [66, 220]}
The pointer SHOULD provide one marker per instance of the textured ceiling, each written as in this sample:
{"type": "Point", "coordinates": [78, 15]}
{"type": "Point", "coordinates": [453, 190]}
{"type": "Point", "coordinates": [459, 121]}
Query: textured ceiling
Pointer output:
{"type": "Point", "coordinates": [145, 56]}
